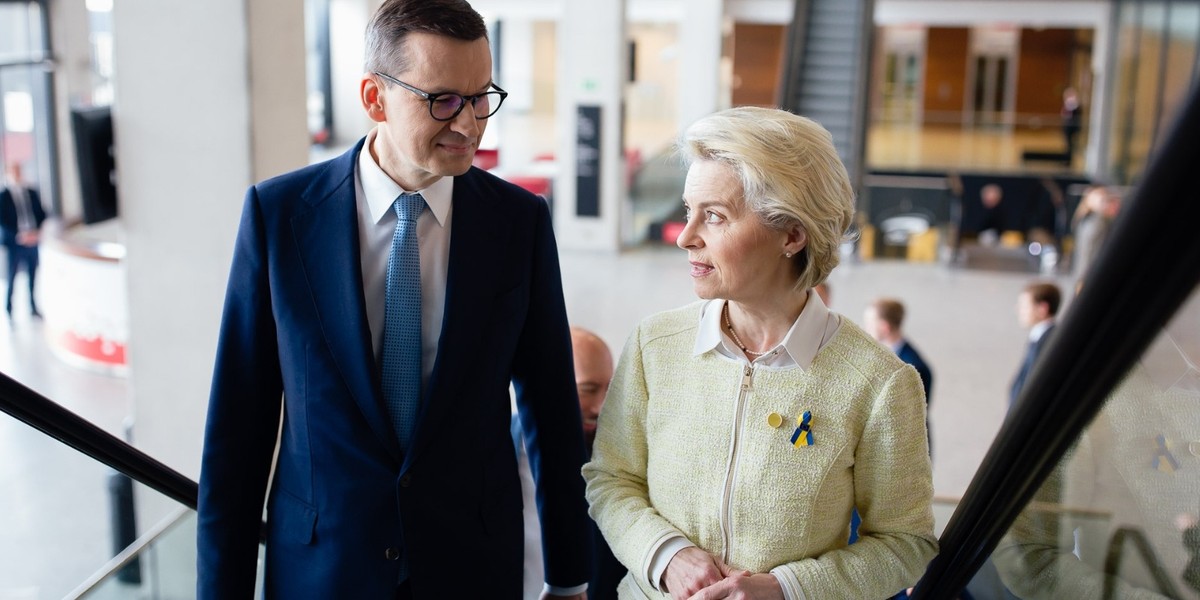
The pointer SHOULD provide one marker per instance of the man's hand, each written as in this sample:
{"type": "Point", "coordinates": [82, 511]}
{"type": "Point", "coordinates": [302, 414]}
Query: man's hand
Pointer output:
{"type": "Point", "coordinates": [28, 238]}
{"type": "Point", "coordinates": [690, 571]}
{"type": "Point", "coordinates": [741, 585]}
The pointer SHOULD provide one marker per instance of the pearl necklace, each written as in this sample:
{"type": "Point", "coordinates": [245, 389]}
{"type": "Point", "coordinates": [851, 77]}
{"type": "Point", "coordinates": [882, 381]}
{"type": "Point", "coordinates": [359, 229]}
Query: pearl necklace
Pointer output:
{"type": "Point", "coordinates": [736, 339]}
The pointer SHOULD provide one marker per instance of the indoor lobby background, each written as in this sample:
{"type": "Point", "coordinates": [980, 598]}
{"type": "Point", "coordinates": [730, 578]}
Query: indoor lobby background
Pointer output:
{"type": "Point", "coordinates": [203, 99]}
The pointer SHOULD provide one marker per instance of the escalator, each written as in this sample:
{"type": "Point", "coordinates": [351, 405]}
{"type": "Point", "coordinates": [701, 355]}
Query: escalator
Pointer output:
{"type": "Point", "coordinates": [1091, 488]}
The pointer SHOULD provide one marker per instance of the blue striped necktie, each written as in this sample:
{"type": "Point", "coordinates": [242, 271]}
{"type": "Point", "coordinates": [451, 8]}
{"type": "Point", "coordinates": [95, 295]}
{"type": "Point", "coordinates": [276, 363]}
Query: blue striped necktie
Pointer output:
{"type": "Point", "coordinates": [402, 320]}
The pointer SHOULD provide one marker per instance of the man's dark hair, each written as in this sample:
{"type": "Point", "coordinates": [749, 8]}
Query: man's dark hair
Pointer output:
{"type": "Point", "coordinates": [890, 311]}
{"type": "Point", "coordinates": [1045, 292]}
{"type": "Point", "coordinates": [395, 19]}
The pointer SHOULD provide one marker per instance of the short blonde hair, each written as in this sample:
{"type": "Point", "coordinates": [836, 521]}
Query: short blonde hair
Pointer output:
{"type": "Point", "coordinates": [790, 174]}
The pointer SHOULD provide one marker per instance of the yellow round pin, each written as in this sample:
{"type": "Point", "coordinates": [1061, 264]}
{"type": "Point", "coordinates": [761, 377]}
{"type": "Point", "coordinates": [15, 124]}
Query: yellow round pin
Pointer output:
{"type": "Point", "coordinates": [774, 419]}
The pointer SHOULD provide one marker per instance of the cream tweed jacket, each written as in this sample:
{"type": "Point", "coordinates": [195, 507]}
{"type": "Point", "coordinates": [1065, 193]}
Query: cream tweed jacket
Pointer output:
{"type": "Point", "coordinates": [685, 446]}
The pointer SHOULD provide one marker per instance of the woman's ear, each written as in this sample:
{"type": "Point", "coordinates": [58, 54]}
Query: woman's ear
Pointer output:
{"type": "Point", "coordinates": [797, 240]}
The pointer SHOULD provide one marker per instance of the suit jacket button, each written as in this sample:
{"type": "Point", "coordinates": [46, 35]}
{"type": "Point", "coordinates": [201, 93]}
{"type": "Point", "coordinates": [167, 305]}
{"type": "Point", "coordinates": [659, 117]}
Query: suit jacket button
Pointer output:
{"type": "Point", "coordinates": [406, 480]}
{"type": "Point", "coordinates": [392, 553]}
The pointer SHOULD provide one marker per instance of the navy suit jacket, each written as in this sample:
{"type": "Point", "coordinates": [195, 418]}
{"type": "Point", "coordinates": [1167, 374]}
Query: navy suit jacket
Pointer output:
{"type": "Point", "coordinates": [346, 500]}
{"type": "Point", "coordinates": [1031, 354]}
{"type": "Point", "coordinates": [8, 214]}
{"type": "Point", "coordinates": [910, 355]}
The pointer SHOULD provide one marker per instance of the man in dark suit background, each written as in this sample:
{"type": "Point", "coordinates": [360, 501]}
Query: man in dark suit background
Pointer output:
{"type": "Point", "coordinates": [593, 373]}
{"type": "Point", "coordinates": [1036, 308]}
{"type": "Point", "coordinates": [21, 218]}
{"type": "Point", "coordinates": [883, 319]}
{"type": "Point", "coordinates": [381, 490]}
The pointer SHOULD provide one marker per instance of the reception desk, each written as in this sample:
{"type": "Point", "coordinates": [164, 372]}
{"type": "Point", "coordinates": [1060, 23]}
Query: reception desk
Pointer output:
{"type": "Point", "coordinates": [82, 293]}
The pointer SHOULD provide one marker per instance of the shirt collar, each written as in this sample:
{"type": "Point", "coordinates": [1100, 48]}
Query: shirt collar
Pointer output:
{"type": "Point", "coordinates": [381, 191]}
{"type": "Point", "coordinates": [1037, 331]}
{"type": "Point", "coordinates": [801, 343]}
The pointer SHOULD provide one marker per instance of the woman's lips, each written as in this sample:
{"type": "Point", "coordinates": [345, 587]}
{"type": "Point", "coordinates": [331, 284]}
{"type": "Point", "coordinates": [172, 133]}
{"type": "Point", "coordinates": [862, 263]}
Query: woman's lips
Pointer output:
{"type": "Point", "coordinates": [700, 269]}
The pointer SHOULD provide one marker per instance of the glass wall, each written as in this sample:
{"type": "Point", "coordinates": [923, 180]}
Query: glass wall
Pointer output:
{"type": "Point", "coordinates": [1154, 67]}
{"type": "Point", "coordinates": [1119, 517]}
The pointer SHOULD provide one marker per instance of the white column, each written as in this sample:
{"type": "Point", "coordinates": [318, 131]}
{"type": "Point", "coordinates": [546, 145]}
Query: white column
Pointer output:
{"type": "Point", "coordinates": [700, 35]}
{"type": "Point", "coordinates": [347, 25]}
{"type": "Point", "coordinates": [72, 81]}
{"type": "Point", "coordinates": [516, 60]}
{"type": "Point", "coordinates": [590, 195]}
{"type": "Point", "coordinates": [203, 109]}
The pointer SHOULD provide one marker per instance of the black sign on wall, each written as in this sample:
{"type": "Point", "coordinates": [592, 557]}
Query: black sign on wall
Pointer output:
{"type": "Point", "coordinates": [587, 161]}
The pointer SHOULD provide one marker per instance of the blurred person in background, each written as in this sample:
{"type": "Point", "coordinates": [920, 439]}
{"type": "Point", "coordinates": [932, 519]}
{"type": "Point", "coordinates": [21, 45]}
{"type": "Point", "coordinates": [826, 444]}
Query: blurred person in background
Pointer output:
{"type": "Point", "coordinates": [1037, 307]}
{"type": "Point", "coordinates": [593, 373]}
{"type": "Point", "coordinates": [21, 218]}
{"type": "Point", "coordinates": [883, 319]}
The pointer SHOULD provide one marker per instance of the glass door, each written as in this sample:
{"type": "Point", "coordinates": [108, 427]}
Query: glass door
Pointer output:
{"type": "Point", "coordinates": [990, 97]}
{"type": "Point", "coordinates": [902, 87]}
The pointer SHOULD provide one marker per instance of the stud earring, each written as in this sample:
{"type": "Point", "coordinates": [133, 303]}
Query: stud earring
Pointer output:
{"type": "Point", "coordinates": [787, 254]}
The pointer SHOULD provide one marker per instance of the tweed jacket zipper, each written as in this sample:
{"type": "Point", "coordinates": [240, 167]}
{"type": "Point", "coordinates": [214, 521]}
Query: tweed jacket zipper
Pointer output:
{"type": "Point", "coordinates": [726, 516]}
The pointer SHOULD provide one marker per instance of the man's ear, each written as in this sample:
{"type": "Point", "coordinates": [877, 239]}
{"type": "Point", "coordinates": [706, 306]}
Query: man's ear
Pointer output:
{"type": "Point", "coordinates": [370, 92]}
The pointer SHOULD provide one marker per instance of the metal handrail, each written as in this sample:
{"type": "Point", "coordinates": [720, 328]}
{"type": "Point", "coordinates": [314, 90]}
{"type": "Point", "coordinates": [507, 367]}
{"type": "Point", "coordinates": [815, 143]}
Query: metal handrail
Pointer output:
{"type": "Point", "coordinates": [50, 418]}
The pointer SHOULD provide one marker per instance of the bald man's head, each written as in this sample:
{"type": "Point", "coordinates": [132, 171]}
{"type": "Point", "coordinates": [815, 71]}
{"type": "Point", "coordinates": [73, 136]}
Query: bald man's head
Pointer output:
{"type": "Point", "coordinates": [593, 372]}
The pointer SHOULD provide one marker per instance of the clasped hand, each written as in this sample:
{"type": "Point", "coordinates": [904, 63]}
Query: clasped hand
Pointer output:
{"type": "Point", "coordinates": [694, 574]}
{"type": "Point", "coordinates": [28, 238]}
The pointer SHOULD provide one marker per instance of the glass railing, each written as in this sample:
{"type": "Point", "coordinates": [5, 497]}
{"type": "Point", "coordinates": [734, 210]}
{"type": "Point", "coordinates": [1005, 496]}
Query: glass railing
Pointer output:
{"type": "Point", "coordinates": [72, 499]}
{"type": "Point", "coordinates": [161, 563]}
{"type": "Point", "coordinates": [1092, 486]}
{"type": "Point", "coordinates": [1134, 478]}
{"type": "Point", "coordinates": [55, 514]}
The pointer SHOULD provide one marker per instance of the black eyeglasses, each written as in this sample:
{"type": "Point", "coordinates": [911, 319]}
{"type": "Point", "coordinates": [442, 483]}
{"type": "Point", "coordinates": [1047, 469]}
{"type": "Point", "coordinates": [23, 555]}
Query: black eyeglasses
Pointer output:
{"type": "Point", "coordinates": [445, 106]}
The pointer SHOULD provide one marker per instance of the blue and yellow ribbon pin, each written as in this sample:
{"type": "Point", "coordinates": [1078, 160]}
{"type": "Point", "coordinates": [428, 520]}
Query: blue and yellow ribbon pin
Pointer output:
{"type": "Point", "coordinates": [803, 435]}
{"type": "Point", "coordinates": [1163, 459]}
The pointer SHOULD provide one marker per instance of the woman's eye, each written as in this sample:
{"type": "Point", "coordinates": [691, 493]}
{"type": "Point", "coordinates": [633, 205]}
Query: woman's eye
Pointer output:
{"type": "Point", "coordinates": [711, 217]}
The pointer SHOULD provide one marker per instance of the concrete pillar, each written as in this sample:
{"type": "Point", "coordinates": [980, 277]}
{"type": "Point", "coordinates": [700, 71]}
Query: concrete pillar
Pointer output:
{"type": "Point", "coordinates": [700, 35]}
{"type": "Point", "coordinates": [590, 194]}
{"type": "Point", "coordinates": [514, 62]}
{"type": "Point", "coordinates": [73, 80]}
{"type": "Point", "coordinates": [347, 25]}
{"type": "Point", "coordinates": [209, 98]}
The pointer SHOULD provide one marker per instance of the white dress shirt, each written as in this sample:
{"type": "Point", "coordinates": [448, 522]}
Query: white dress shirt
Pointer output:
{"type": "Point", "coordinates": [375, 193]}
{"type": "Point", "coordinates": [25, 218]}
{"type": "Point", "coordinates": [1037, 331]}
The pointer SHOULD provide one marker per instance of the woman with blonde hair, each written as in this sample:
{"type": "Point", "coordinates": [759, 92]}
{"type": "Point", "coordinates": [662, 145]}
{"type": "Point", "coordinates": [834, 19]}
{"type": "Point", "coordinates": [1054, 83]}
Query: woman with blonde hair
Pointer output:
{"type": "Point", "coordinates": [741, 431]}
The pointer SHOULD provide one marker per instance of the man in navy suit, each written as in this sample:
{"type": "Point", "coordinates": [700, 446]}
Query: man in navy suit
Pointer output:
{"type": "Point", "coordinates": [21, 217]}
{"type": "Point", "coordinates": [883, 319]}
{"type": "Point", "coordinates": [351, 512]}
{"type": "Point", "coordinates": [1036, 308]}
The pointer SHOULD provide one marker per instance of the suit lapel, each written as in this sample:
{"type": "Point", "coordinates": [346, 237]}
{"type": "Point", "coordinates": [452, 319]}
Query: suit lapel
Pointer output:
{"type": "Point", "coordinates": [327, 240]}
{"type": "Point", "coordinates": [478, 226]}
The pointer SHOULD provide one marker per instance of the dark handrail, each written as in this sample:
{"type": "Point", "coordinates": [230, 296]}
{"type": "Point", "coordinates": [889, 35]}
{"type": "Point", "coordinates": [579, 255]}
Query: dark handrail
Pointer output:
{"type": "Point", "coordinates": [1149, 266]}
{"type": "Point", "coordinates": [69, 428]}
{"type": "Point", "coordinates": [48, 417]}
